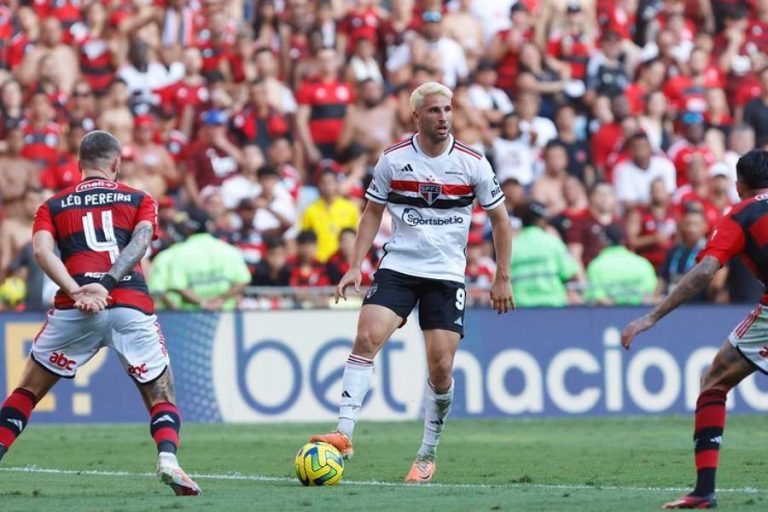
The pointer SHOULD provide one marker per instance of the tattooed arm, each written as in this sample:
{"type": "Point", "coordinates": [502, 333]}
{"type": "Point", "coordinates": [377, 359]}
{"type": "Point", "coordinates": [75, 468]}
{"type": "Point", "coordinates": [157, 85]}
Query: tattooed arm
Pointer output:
{"type": "Point", "coordinates": [133, 252]}
{"type": "Point", "coordinates": [689, 286]}
{"type": "Point", "coordinates": [126, 261]}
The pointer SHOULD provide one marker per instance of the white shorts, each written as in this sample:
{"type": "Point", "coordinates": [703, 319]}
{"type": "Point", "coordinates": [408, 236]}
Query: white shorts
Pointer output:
{"type": "Point", "coordinates": [750, 337]}
{"type": "Point", "coordinates": [70, 338]}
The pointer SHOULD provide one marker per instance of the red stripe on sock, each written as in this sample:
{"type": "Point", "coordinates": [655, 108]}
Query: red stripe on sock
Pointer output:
{"type": "Point", "coordinates": [707, 459]}
{"type": "Point", "coordinates": [166, 434]}
{"type": "Point", "coordinates": [164, 407]}
{"type": "Point", "coordinates": [7, 437]}
{"type": "Point", "coordinates": [21, 400]}
{"type": "Point", "coordinates": [710, 410]}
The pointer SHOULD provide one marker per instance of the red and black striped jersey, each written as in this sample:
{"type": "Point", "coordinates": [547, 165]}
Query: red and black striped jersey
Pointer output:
{"type": "Point", "coordinates": [41, 143]}
{"type": "Point", "coordinates": [743, 232]}
{"type": "Point", "coordinates": [92, 222]}
{"type": "Point", "coordinates": [96, 62]}
{"type": "Point", "coordinates": [328, 102]}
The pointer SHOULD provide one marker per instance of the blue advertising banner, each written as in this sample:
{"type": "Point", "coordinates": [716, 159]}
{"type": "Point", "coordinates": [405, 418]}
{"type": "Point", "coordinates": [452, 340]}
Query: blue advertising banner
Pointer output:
{"type": "Point", "coordinates": [287, 366]}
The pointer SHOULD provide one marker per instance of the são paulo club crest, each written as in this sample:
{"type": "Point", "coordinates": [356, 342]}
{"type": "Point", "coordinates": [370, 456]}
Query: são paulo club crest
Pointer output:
{"type": "Point", "coordinates": [430, 191]}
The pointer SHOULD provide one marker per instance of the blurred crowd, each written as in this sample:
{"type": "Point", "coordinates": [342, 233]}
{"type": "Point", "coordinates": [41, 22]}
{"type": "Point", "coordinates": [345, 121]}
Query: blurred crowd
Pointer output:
{"type": "Point", "coordinates": [613, 127]}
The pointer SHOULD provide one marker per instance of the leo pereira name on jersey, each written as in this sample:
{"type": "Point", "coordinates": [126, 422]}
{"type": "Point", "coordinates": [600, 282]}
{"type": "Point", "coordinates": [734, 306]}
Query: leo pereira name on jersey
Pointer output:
{"type": "Point", "coordinates": [430, 200]}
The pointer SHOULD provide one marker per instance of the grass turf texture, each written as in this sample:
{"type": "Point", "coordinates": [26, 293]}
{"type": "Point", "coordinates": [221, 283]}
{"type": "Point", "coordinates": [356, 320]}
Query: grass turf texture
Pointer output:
{"type": "Point", "coordinates": [568, 464]}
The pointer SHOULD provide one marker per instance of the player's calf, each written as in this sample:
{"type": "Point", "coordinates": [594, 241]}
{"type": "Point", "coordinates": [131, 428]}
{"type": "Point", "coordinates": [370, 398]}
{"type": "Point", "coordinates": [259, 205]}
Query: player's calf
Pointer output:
{"type": "Point", "coordinates": [14, 416]}
{"type": "Point", "coordinates": [165, 426]}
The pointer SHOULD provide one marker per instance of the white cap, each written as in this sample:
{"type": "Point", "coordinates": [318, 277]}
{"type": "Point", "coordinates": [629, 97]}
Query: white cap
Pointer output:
{"type": "Point", "coordinates": [719, 169]}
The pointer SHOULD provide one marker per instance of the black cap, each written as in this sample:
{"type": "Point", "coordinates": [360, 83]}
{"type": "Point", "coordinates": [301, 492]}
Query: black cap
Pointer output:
{"type": "Point", "coordinates": [518, 6]}
{"type": "Point", "coordinates": [267, 170]}
{"type": "Point", "coordinates": [197, 221]}
{"type": "Point", "coordinates": [531, 212]}
{"type": "Point", "coordinates": [573, 7]}
{"type": "Point", "coordinates": [487, 64]}
{"type": "Point", "coordinates": [246, 203]}
{"type": "Point", "coordinates": [610, 34]}
{"type": "Point", "coordinates": [306, 237]}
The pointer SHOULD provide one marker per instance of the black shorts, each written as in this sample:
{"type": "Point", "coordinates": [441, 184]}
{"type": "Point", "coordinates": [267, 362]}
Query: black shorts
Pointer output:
{"type": "Point", "coordinates": [441, 302]}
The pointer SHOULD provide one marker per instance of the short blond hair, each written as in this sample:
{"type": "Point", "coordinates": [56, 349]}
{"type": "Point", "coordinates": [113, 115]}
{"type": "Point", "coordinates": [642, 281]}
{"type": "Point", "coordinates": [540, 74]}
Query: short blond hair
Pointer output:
{"type": "Point", "coordinates": [428, 89]}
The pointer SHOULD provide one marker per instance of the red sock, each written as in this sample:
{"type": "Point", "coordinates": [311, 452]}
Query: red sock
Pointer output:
{"type": "Point", "coordinates": [14, 415]}
{"type": "Point", "coordinates": [709, 425]}
{"type": "Point", "coordinates": [164, 425]}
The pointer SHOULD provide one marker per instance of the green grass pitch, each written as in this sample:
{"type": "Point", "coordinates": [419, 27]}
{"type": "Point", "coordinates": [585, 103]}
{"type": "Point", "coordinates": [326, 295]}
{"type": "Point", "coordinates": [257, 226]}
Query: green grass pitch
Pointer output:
{"type": "Point", "coordinates": [562, 464]}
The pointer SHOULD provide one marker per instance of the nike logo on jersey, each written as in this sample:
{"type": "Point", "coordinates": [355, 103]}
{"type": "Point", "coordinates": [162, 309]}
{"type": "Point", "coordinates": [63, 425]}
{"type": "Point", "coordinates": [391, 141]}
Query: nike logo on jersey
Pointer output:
{"type": "Point", "coordinates": [164, 417]}
{"type": "Point", "coordinates": [16, 423]}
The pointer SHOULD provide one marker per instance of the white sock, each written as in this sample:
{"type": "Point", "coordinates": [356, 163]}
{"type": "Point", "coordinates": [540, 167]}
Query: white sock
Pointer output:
{"type": "Point", "coordinates": [355, 385]}
{"type": "Point", "coordinates": [436, 408]}
{"type": "Point", "coordinates": [168, 458]}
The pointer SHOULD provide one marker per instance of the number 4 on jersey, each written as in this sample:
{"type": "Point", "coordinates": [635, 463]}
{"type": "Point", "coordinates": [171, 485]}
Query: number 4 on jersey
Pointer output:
{"type": "Point", "coordinates": [109, 244]}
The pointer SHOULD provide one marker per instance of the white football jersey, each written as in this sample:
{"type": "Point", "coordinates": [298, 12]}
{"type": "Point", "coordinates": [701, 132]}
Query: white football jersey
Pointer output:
{"type": "Point", "coordinates": [430, 200]}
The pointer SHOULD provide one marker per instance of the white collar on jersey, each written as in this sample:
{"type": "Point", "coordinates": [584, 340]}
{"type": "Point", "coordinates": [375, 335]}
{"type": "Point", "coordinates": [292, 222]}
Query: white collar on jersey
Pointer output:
{"type": "Point", "coordinates": [415, 142]}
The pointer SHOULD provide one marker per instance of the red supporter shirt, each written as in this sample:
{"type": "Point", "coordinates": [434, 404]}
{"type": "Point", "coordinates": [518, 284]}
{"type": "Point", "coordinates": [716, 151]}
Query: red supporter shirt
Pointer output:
{"type": "Point", "coordinates": [686, 96]}
{"type": "Point", "coordinates": [96, 63]}
{"type": "Point", "coordinates": [42, 145]}
{"type": "Point", "coordinates": [681, 154]}
{"type": "Point", "coordinates": [69, 13]}
{"type": "Point", "coordinates": [236, 67]}
{"type": "Point", "coordinates": [314, 275]}
{"type": "Point", "coordinates": [637, 96]}
{"type": "Point", "coordinates": [65, 173]}
{"type": "Point", "coordinates": [176, 144]}
{"type": "Point", "coordinates": [253, 128]}
{"type": "Point", "coordinates": [6, 33]}
{"type": "Point", "coordinates": [508, 67]}
{"type": "Point", "coordinates": [91, 223]}
{"type": "Point", "coordinates": [650, 224]}
{"type": "Point", "coordinates": [328, 102]}
{"type": "Point", "coordinates": [573, 49]}
{"type": "Point", "coordinates": [359, 25]}
{"type": "Point", "coordinates": [743, 232]}
{"type": "Point", "coordinates": [338, 265]}
{"type": "Point", "coordinates": [686, 194]}
{"type": "Point", "coordinates": [179, 95]}
{"type": "Point", "coordinates": [209, 165]}
{"type": "Point", "coordinates": [605, 142]}
{"type": "Point", "coordinates": [757, 35]}
{"type": "Point", "coordinates": [587, 231]}
{"type": "Point", "coordinates": [18, 47]}
{"type": "Point", "coordinates": [480, 275]}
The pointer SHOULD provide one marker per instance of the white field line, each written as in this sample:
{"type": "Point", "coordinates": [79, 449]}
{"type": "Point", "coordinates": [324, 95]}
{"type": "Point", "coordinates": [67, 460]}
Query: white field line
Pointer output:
{"type": "Point", "coordinates": [374, 483]}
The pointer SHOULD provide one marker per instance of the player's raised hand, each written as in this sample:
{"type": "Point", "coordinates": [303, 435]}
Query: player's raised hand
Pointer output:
{"type": "Point", "coordinates": [634, 328]}
{"type": "Point", "coordinates": [352, 276]}
{"type": "Point", "coordinates": [502, 299]}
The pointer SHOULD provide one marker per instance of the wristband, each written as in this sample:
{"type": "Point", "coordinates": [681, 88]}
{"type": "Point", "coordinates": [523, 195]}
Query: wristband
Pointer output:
{"type": "Point", "coordinates": [108, 282]}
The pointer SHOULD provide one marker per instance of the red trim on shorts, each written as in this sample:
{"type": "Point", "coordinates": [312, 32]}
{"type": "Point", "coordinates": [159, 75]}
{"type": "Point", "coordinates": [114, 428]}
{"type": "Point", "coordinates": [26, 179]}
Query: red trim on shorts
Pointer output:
{"type": "Point", "coordinates": [161, 339]}
{"type": "Point", "coordinates": [42, 328]}
{"type": "Point", "coordinates": [745, 324]}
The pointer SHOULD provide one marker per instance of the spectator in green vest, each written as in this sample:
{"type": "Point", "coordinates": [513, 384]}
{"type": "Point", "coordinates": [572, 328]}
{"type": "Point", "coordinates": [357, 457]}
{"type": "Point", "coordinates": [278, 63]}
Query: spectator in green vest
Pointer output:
{"type": "Point", "coordinates": [541, 266]}
{"type": "Point", "coordinates": [617, 275]}
{"type": "Point", "coordinates": [206, 272]}
{"type": "Point", "coordinates": [159, 275]}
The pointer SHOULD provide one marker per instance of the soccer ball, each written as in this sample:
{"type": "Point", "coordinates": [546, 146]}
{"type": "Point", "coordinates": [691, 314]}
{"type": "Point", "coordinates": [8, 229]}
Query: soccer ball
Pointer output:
{"type": "Point", "coordinates": [319, 464]}
{"type": "Point", "coordinates": [12, 291]}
